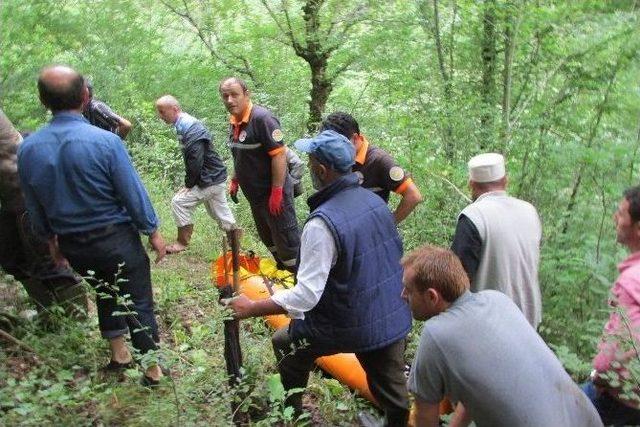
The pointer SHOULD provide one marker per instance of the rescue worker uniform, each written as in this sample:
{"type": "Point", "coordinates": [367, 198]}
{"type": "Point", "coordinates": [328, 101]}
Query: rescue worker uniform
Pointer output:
{"type": "Point", "coordinates": [379, 172]}
{"type": "Point", "coordinates": [254, 140]}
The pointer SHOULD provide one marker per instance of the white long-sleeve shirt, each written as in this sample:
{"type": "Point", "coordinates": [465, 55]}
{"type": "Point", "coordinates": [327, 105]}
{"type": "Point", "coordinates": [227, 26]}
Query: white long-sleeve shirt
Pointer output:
{"type": "Point", "coordinates": [318, 254]}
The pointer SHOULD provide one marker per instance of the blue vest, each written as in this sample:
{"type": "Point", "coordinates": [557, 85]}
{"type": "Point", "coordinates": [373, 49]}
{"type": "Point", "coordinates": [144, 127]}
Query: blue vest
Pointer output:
{"type": "Point", "coordinates": [360, 309]}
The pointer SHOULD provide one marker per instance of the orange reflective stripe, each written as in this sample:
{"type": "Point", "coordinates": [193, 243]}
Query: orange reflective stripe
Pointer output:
{"type": "Point", "coordinates": [277, 151]}
{"type": "Point", "coordinates": [403, 187]}
{"type": "Point", "coordinates": [361, 155]}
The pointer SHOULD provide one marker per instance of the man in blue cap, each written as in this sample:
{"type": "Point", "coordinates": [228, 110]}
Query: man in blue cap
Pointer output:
{"type": "Point", "coordinates": [349, 281]}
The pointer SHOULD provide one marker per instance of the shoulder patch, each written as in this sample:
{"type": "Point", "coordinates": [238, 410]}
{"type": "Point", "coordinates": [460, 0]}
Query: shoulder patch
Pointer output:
{"type": "Point", "coordinates": [396, 173]}
{"type": "Point", "coordinates": [277, 135]}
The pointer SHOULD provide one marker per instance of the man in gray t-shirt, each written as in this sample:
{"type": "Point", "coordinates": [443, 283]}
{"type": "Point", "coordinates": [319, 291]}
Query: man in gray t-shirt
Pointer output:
{"type": "Point", "coordinates": [478, 349]}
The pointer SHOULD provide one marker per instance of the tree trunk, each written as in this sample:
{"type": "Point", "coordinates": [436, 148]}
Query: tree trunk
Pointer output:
{"type": "Point", "coordinates": [433, 27]}
{"type": "Point", "coordinates": [449, 148]}
{"type": "Point", "coordinates": [593, 131]}
{"type": "Point", "coordinates": [488, 87]}
{"type": "Point", "coordinates": [321, 87]}
{"type": "Point", "coordinates": [509, 48]}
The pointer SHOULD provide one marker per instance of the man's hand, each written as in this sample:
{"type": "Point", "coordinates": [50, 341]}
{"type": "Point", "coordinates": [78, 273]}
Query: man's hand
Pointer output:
{"type": "Point", "coordinates": [54, 250]}
{"type": "Point", "coordinates": [241, 306]}
{"type": "Point", "coordinates": [244, 307]}
{"type": "Point", "coordinates": [275, 201]}
{"type": "Point", "coordinates": [157, 244]}
{"type": "Point", "coordinates": [233, 189]}
{"type": "Point", "coordinates": [461, 417]}
{"type": "Point", "coordinates": [124, 127]}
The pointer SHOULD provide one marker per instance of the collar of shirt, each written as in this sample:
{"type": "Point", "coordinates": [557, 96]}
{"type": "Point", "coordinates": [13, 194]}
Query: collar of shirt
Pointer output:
{"type": "Point", "coordinates": [183, 122]}
{"type": "Point", "coordinates": [245, 116]}
{"type": "Point", "coordinates": [461, 299]}
{"type": "Point", "coordinates": [630, 261]}
{"type": "Point", "coordinates": [499, 193]}
{"type": "Point", "coordinates": [361, 155]}
{"type": "Point", "coordinates": [68, 115]}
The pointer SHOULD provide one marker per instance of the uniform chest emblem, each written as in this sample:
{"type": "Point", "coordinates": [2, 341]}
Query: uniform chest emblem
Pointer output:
{"type": "Point", "coordinates": [242, 136]}
{"type": "Point", "coordinates": [396, 173]}
{"type": "Point", "coordinates": [277, 135]}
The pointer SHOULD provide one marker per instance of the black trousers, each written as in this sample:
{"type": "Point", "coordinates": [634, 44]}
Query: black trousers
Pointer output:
{"type": "Point", "coordinates": [384, 368]}
{"type": "Point", "coordinates": [280, 234]}
{"type": "Point", "coordinates": [120, 267]}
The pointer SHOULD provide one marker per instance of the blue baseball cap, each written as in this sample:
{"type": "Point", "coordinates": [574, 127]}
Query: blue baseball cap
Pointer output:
{"type": "Point", "coordinates": [331, 149]}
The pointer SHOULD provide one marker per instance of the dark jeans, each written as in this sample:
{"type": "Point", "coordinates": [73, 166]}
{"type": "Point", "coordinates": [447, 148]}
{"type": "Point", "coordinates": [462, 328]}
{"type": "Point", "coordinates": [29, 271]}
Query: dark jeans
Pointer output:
{"type": "Point", "coordinates": [611, 410]}
{"type": "Point", "coordinates": [280, 234]}
{"type": "Point", "coordinates": [121, 266]}
{"type": "Point", "coordinates": [384, 368]}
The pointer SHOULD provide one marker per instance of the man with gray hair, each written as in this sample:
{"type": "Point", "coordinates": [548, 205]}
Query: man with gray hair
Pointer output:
{"type": "Point", "coordinates": [205, 174]}
{"type": "Point", "coordinates": [498, 238]}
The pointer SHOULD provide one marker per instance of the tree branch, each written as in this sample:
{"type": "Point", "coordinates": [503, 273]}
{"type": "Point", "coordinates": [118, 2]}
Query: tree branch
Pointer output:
{"type": "Point", "coordinates": [186, 15]}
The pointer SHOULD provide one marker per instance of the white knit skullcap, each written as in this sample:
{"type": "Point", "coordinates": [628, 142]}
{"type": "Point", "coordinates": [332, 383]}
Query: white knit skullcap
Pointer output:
{"type": "Point", "coordinates": [487, 167]}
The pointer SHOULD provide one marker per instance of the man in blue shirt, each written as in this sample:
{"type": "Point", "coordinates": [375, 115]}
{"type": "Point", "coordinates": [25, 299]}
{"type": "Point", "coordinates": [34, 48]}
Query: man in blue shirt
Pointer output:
{"type": "Point", "coordinates": [83, 193]}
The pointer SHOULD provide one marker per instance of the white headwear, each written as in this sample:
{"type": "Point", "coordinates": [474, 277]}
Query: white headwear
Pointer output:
{"type": "Point", "coordinates": [487, 167]}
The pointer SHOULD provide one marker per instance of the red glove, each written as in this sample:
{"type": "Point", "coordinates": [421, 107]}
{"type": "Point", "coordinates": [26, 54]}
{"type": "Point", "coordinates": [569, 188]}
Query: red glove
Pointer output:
{"type": "Point", "coordinates": [275, 201]}
{"type": "Point", "coordinates": [233, 189]}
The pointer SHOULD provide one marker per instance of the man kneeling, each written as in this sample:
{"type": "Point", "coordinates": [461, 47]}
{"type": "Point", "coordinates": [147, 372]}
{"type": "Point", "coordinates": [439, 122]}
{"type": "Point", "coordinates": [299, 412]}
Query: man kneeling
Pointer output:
{"type": "Point", "coordinates": [478, 349]}
{"type": "Point", "coordinates": [347, 298]}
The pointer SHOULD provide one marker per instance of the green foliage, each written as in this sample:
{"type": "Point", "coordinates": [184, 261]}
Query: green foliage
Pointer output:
{"type": "Point", "coordinates": [568, 124]}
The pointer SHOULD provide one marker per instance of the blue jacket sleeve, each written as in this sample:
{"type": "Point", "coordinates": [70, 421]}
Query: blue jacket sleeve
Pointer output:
{"type": "Point", "coordinates": [130, 190]}
{"type": "Point", "coordinates": [36, 212]}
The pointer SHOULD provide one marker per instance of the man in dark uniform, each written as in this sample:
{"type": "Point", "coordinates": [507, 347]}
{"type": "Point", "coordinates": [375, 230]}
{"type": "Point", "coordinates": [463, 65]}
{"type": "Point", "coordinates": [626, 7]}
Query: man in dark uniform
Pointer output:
{"type": "Point", "coordinates": [379, 172]}
{"type": "Point", "coordinates": [99, 114]}
{"type": "Point", "coordinates": [260, 169]}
